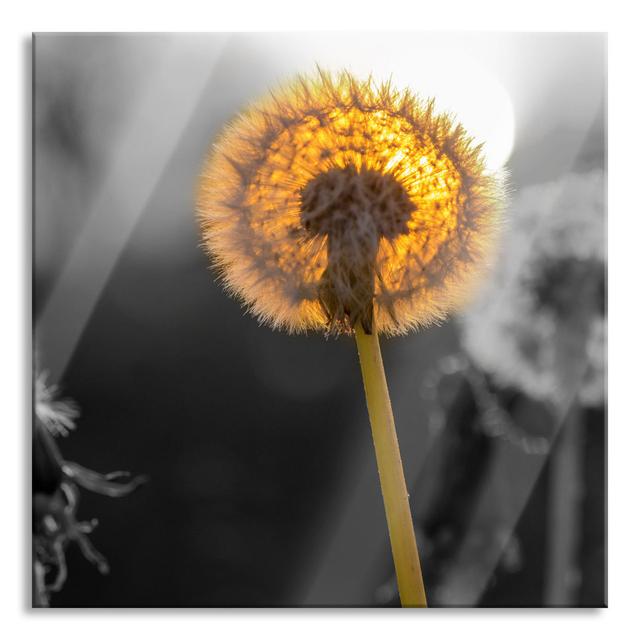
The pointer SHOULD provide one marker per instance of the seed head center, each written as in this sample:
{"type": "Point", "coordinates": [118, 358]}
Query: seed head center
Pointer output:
{"type": "Point", "coordinates": [363, 203]}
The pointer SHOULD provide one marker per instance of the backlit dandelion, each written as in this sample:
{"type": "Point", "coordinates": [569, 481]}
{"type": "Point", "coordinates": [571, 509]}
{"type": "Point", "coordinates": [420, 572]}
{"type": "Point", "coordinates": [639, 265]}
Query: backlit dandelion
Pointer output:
{"type": "Point", "coordinates": [338, 205]}
{"type": "Point", "coordinates": [332, 199]}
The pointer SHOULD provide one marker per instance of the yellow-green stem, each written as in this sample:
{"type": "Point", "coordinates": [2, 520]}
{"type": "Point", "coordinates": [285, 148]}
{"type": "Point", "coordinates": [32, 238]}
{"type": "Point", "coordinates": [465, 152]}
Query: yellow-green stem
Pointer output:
{"type": "Point", "coordinates": [394, 488]}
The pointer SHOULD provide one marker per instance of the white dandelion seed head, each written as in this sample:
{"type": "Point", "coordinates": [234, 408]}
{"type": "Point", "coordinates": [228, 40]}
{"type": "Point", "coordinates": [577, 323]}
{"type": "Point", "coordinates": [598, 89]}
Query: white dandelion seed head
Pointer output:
{"type": "Point", "coordinates": [539, 321]}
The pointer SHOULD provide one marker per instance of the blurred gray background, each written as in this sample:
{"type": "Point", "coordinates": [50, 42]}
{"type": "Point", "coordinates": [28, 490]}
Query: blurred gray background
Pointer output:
{"type": "Point", "coordinates": [263, 489]}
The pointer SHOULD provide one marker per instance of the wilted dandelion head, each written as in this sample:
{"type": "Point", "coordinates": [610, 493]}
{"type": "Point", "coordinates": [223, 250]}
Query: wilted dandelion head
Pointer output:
{"type": "Point", "coordinates": [334, 200]}
{"type": "Point", "coordinates": [55, 483]}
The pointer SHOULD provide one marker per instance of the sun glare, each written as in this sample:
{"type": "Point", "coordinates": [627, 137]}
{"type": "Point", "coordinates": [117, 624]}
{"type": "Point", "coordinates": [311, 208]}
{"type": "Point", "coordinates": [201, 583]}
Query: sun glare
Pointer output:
{"type": "Point", "coordinates": [461, 85]}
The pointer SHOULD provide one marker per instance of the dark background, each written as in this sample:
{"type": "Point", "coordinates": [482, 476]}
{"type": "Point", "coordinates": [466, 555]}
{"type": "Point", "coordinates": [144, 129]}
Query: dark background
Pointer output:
{"type": "Point", "coordinates": [263, 490]}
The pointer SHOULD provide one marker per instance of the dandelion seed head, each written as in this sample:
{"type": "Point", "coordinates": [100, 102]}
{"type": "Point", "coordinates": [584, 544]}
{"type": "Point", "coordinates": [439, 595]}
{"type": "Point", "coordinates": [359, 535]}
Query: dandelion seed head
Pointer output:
{"type": "Point", "coordinates": [334, 200]}
{"type": "Point", "coordinates": [540, 323]}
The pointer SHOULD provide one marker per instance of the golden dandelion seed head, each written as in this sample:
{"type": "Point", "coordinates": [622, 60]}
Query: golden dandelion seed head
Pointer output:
{"type": "Point", "coordinates": [334, 201]}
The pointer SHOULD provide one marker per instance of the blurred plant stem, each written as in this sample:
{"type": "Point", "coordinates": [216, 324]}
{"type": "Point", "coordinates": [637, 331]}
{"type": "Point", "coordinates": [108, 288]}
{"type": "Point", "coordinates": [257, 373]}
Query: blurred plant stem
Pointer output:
{"type": "Point", "coordinates": [39, 597]}
{"type": "Point", "coordinates": [565, 495]}
{"type": "Point", "coordinates": [392, 482]}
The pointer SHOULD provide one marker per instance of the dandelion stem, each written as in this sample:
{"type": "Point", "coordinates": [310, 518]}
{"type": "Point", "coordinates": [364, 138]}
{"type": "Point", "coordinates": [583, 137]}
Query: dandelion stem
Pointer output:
{"type": "Point", "coordinates": [392, 482]}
